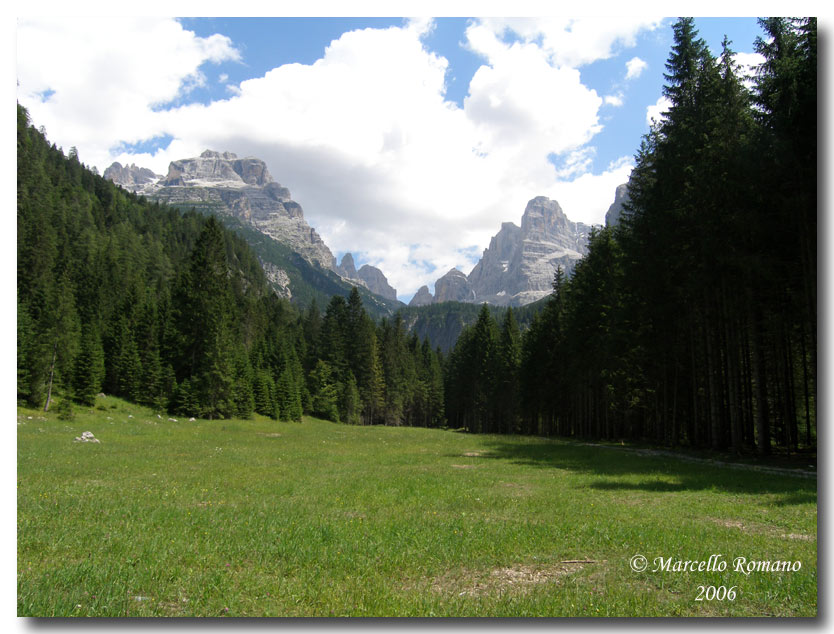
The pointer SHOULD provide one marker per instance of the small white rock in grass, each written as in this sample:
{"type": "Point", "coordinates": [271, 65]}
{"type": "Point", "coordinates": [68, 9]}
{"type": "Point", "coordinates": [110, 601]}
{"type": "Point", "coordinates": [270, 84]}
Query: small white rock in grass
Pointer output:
{"type": "Point", "coordinates": [191, 420]}
{"type": "Point", "coordinates": [86, 436]}
{"type": "Point", "coordinates": [172, 420]}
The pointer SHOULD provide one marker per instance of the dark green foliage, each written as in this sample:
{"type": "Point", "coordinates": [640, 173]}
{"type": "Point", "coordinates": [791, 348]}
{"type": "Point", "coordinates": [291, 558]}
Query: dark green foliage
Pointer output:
{"type": "Point", "coordinates": [89, 368]}
{"type": "Point", "coordinates": [138, 300]}
{"type": "Point", "coordinates": [310, 283]}
{"type": "Point", "coordinates": [264, 394]}
{"type": "Point", "coordinates": [693, 322]}
{"type": "Point", "coordinates": [442, 323]}
{"type": "Point", "coordinates": [473, 373]}
{"type": "Point", "coordinates": [324, 391]}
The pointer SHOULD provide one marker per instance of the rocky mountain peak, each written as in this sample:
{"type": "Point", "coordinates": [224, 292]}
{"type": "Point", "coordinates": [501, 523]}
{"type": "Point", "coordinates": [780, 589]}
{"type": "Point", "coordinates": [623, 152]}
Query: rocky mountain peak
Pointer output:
{"type": "Point", "coordinates": [368, 276]}
{"type": "Point", "coordinates": [422, 297]}
{"type": "Point", "coordinates": [222, 183]}
{"type": "Point", "coordinates": [130, 176]}
{"type": "Point", "coordinates": [543, 219]}
{"type": "Point", "coordinates": [612, 216]}
{"type": "Point", "coordinates": [376, 281]}
{"type": "Point", "coordinates": [347, 268]}
{"type": "Point", "coordinates": [453, 287]}
{"type": "Point", "coordinates": [219, 169]}
{"type": "Point", "coordinates": [519, 264]}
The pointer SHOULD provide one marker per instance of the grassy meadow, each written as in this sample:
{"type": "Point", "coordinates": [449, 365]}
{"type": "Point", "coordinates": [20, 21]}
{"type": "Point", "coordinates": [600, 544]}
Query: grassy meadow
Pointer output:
{"type": "Point", "coordinates": [262, 518]}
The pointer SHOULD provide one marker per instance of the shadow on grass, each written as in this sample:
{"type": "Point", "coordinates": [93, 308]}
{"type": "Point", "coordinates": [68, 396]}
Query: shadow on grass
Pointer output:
{"type": "Point", "coordinates": [616, 469]}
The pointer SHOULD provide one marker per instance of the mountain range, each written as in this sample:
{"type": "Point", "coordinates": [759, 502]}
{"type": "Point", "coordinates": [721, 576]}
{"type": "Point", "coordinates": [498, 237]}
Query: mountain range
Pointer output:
{"type": "Point", "coordinates": [244, 195]}
{"type": "Point", "coordinates": [518, 266]}
{"type": "Point", "coordinates": [516, 269]}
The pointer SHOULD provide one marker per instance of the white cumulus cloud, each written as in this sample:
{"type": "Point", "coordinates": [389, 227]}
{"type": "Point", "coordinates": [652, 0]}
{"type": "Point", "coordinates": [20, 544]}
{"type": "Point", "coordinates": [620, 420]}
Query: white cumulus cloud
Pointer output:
{"type": "Point", "coordinates": [103, 78]}
{"type": "Point", "coordinates": [364, 138]}
{"type": "Point", "coordinates": [574, 41]}
{"type": "Point", "coordinates": [635, 67]}
{"type": "Point", "coordinates": [656, 111]}
{"type": "Point", "coordinates": [614, 100]}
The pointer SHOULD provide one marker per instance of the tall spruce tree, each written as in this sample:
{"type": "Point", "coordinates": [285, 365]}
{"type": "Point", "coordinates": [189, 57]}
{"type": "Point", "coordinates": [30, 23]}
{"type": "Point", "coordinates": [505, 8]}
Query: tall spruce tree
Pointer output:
{"type": "Point", "coordinates": [206, 326]}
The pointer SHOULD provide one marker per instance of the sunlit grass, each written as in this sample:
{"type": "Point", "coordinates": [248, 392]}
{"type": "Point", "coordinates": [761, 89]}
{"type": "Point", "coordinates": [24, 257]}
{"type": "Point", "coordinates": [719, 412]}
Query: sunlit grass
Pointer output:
{"type": "Point", "coordinates": [262, 518]}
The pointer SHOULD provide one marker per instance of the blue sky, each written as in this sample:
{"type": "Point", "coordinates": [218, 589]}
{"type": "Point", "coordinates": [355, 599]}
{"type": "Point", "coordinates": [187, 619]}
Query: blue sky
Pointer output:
{"type": "Point", "coordinates": [407, 142]}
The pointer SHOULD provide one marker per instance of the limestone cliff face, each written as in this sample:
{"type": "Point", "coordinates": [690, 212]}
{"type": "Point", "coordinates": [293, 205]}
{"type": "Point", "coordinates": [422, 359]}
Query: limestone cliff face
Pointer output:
{"type": "Point", "coordinates": [131, 177]}
{"type": "Point", "coordinates": [241, 187]}
{"type": "Point", "coordinates": [519, 264]}
{"type": "Point", "coordinates": [376, 281]}
{"type": "Point", "coordinates": [612, 216]}
{"type": "Point", "coordinates": [422, 297]}
{"type": "Point", "coordinates": [347, 268]}
{"type": "Point", "coordinates": [453, 287]}
{"type": "Point", "coordinates": [548, 240]}
{"type": "Point", "coordinates": [368, 276]}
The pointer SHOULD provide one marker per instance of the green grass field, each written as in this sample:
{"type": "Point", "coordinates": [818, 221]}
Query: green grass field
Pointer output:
{"type": "Point", "coordinates": [260, 518]}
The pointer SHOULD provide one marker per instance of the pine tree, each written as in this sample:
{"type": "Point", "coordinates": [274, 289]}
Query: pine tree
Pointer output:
{"type": "Point", "coordinates": [349, 402]}
{"type": "Point", "coordinates": [206, 326]}
{"type": "Point", "coordinates": [89, 368]}
{"type": "Point", "coordinates": [263, 393]}
{"type": "Point", "coordinates": [324, 391]}
{"type": "Point", "coordinates": [507, 374]}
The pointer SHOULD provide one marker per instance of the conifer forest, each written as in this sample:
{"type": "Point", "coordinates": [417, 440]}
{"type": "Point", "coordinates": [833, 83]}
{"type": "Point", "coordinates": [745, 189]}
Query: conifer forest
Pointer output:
{"type": "Point", "coordinates": [692, 322]}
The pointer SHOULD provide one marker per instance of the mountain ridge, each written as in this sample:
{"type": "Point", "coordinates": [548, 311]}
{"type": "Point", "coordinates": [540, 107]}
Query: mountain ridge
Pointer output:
{"type": "Point", "coordinates": [518, 266]}
{"type": "Point", "coordinates": [242, 188]}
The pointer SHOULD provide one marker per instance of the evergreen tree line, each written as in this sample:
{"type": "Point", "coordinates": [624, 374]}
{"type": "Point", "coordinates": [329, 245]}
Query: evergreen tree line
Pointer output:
{"type": "Point", "coordinates": [124, 296]}
{"type": "Point", "coordinates": [363, 373]}
{"type": "Point", "coordinates": [693, 321]}
{"type": "Point", "coordinates": [119, 295]}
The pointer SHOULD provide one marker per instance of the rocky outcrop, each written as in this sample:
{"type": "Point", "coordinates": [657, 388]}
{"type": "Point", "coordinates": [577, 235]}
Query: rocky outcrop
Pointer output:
{"type": "Point", "coordinates": [220, 182]}
{"type": "Point", "coordinates": [422, 297]}
{"type": "Point", "coordinates": [491, 275]}
{"type": "Point", "coordinates": [376, 282]}
{"type": "Point", "coordinates": [612, 216]}
{"type": "Point", "coordinates": [219, 169]}
{"type": "Point", "coordinates": [347, 268]}
{"type": "Point", "coordinates": [86, 436]}
{"type": "Point", "coordinates": [278, 279]}
{"type": "Point", "coordinates": [368, 276]}
{"type": "Point", "coordinates": [453, 287]}
{"type": "Point", "coordinates": [548, 240]}
{"type": "Point", "coordinates": [131, 177]}
{"type": "Point", "coordinates": [519, 264]}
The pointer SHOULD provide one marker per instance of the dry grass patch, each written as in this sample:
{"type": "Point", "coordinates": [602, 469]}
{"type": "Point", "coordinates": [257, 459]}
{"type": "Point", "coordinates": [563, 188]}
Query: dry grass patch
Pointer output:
{"type": "Point", "coordinates": [517, 578]}
{"type": "Point", "coordinates": [760, 529]}
{"type": "Point", "coordinates": [463, 466]}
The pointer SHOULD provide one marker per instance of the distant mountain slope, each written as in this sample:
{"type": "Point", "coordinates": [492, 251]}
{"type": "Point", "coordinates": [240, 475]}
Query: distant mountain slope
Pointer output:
{"type": "Point", "coordinates": [443, 322]}
{"type": "Point", "coordinates": [518, 266]}
{"type": "Point", "coordinates": [301, 281]}
{"type": "Point", "coordinates": [242, 193]}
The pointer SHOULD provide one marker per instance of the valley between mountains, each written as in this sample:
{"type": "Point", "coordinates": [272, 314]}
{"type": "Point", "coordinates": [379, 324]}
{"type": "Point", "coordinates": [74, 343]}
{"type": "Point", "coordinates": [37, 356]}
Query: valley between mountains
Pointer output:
{"type": "Point", "coordinates": [516, 269]}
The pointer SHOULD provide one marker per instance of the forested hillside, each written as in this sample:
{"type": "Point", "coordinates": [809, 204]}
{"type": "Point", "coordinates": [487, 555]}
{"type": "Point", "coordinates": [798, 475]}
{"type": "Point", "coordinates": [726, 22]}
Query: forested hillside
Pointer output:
{"type": "Point", "coordinates": [443, 323]}
{"type": "Point", "coordinates": [691, 322]}
{"type": "Point", "coordinates": [169, 309]}
{"type": "Point", "coordinates": [694, 320]}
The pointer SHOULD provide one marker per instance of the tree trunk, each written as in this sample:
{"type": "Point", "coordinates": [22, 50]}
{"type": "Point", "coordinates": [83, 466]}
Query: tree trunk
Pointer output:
{"type": "Point", "coordinates": [51, 375]}
{"type": "Point", "coordinates": [759, 377]}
